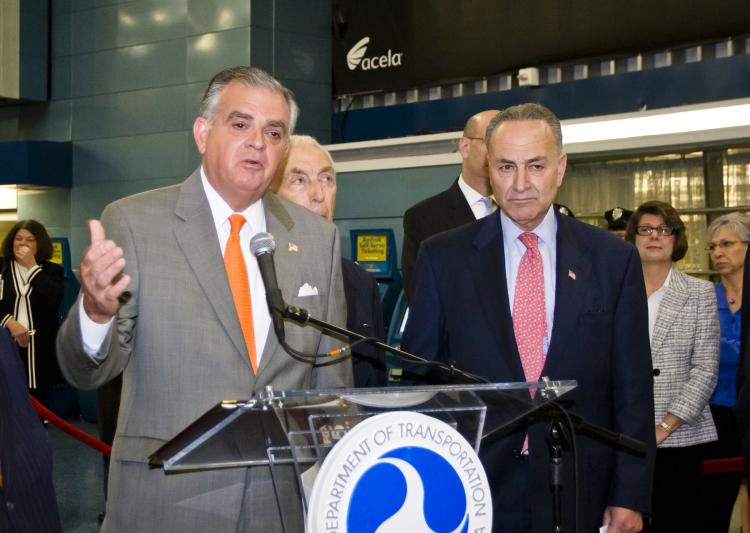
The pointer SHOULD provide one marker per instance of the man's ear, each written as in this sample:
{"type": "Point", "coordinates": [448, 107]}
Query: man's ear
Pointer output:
{"type": "Point", "coordinates": [200, 133]}
{"type": "Point", "coordinates": [562, 164]}
{"type": "Point", "coordinates": [463, 147]}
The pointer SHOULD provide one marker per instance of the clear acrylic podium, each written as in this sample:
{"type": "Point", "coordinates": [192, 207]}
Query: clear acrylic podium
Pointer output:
{"type": "Point", "coordinates": [298, 429]}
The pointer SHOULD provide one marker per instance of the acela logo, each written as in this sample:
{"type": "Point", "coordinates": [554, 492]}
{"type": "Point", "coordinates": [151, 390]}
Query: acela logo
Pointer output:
{"type": "Point", "coordinates": [356, 56]}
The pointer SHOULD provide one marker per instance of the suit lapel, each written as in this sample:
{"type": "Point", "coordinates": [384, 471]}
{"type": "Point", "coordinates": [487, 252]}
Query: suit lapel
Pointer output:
{"type": "Point", "coordinates": [671, 306]}
{"type": "Point", "coordinates": [279, 224]}
{"type": "Point", "coordinates": [573, 276]}
{"type": "Point", "coordinates": [488, 272]}
{"type": "Point", "coordinates": [461, 212]}
{"type": "Point", "coordinates": [197, 232]}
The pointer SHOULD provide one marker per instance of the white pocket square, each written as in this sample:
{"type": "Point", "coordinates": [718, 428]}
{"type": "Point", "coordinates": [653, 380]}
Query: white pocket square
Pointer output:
{"type": "Point", "coordinates": [307, 290]}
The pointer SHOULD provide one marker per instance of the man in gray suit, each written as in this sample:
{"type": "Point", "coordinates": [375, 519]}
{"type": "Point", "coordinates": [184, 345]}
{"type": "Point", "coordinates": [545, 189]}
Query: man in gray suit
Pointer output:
{"type": "Point", "coordinates": [177, 338]}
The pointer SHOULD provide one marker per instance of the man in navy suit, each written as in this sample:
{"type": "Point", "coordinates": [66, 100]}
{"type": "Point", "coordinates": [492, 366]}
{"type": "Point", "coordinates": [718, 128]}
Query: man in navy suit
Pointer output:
{"type": "Point", "coordinates": [468, 199]}
{"type": "Point", "coordinates": [27, 497]}
{"type": "Point", "coordinates": [590, 325]}
{"type": "Point", "coordinates": [306, 177]}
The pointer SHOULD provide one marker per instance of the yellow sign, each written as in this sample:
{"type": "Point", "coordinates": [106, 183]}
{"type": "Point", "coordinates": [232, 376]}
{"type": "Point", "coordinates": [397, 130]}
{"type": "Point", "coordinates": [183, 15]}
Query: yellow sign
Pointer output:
{"type": "Point", "coordinates": [372, 248]}
{"type": "Point", "coordinates": [57, 253]}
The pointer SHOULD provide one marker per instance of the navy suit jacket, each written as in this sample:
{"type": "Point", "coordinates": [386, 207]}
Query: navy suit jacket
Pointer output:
{"type": "Point", "coordinates": [446, 210]}
{"type": "Point", "coordinates": [27, 499]}
{"type": "Point", "coordinates": [364, 315]}
{"type": "Point", "coordinates": [599, 338]}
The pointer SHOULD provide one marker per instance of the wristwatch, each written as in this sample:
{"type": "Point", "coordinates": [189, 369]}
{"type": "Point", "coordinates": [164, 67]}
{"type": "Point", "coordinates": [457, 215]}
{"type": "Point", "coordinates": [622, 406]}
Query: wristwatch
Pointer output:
{"type": "Point", "coordinates": [666, 427]}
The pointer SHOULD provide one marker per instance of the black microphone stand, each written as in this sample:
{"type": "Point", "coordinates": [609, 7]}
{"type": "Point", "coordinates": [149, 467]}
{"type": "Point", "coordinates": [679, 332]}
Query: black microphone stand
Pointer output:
{"type": "Point", "coordinates": [302, 317]}
{"type": "Point", "coordinates": [555, 439]}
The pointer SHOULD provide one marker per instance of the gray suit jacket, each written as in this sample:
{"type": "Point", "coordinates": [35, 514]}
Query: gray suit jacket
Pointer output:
{"type": "Point", "coordinates": [685, 351]}
{"type": "Point", "coordinates": [180, 349]}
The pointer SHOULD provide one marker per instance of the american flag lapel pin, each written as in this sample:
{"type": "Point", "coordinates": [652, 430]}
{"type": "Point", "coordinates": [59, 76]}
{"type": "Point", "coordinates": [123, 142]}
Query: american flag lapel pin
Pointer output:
{"type": "Point", "coordinates": [292, 247]}
{"type": "Point", "coordinates": [572, 275]}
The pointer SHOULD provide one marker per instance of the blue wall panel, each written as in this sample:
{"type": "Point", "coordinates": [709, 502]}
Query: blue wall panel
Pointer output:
{"type": "Point", "coordinates": [129, 113]}
{"type": "Point", "coordinates": [93, 29]}
{"type": "Point", "coordinates": [211, 52]}
{"type": "Point", "coordinates": [126, 69]}
{"type": "Point", "coordinates": [159, 155]}
{"type": "Point", "coordinates": [206, 16]}
{"type": "Point", "coordinates": [148, 22]}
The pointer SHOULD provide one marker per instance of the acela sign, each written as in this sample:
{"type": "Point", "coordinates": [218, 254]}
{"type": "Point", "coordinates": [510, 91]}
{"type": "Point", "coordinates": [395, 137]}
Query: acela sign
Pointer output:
{"type": "Point", "coordinates": [356, 56]}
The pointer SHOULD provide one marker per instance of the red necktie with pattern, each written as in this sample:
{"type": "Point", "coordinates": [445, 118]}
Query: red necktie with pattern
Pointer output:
{"type": "Point", "coordinates": [234, 262]}
{"type": "Point", "coordinates": [529, 311]}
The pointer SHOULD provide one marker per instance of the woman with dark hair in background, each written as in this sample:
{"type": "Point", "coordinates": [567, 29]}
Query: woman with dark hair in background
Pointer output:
{"type": "Point", "coordinates": [31, 289]}
{"type": "Point", "coordinates": [684, 332]}
{"type": "Point", "coordinates": [728, 238]}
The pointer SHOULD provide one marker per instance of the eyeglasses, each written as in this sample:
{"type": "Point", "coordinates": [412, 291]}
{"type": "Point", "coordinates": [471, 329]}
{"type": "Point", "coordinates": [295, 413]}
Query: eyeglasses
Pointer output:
{"type": "Point", "coordinates": [645, 231]}
{"type": "Point", "coordinates": [475, 138]}
{"type": "Point", "coordinates": [722, 245]}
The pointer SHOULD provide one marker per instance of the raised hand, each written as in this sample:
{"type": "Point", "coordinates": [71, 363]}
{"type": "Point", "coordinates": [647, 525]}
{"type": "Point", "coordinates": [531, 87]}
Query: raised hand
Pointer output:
{"type": "Point", "coordinates": [102, 278]}
{"type": "Point", "coordinates": [25, 256]}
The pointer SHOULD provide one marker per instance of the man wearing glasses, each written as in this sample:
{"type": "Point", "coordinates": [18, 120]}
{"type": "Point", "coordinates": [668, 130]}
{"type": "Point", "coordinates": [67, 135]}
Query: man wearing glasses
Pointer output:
{"type": "Point", "coordinates": [468, 199]}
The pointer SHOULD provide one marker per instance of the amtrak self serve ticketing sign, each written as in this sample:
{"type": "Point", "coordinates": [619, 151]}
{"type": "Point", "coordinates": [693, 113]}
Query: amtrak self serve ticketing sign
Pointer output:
{"type": "Point", "coordinates": [397, 472]}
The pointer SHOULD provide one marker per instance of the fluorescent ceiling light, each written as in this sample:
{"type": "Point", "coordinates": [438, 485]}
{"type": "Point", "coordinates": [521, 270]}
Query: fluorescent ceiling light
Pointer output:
{"type": "Point", "coordinates": [693, 126]}
{"type": "Point", "coordinates": [657, 123]}
{"type": "Point", "coordinates": [8, 198]}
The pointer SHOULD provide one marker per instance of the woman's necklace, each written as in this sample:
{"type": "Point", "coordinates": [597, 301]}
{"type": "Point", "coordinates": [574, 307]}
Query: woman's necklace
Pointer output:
{"type": "Point", "coordinates": [733, 300]}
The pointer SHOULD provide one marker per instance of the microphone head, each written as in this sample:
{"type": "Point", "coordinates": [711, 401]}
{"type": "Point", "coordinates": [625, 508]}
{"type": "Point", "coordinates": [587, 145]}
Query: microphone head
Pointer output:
{"type": "Point", "coordinates": [262, 243]}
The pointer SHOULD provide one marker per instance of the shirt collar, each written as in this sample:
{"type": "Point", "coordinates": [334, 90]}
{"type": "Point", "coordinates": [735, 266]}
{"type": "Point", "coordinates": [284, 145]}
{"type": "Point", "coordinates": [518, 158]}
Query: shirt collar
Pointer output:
{"type": "Point", "coordinates": [546, 231]}
{"type": "Point", "coordinates": [471, 195]}
{"type": "Point", "coordinates": [220, 210]}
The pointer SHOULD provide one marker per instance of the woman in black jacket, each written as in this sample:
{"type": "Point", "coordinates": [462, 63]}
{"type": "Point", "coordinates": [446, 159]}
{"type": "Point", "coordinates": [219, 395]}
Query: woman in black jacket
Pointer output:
{"type": "Point", "coordinates": [31, 289]}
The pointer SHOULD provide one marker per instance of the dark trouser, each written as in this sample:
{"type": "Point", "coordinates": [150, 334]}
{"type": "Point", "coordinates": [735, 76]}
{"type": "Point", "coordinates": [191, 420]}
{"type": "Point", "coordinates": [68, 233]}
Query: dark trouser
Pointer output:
{"type": "Point", "coordinates": [677, 480]}
{"type": "Point", "coordinates": [719, 491]}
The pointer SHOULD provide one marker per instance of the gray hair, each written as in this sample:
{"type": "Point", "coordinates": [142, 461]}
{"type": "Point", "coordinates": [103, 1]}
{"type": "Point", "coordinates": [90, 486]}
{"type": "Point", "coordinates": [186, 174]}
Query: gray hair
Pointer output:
{"type": "Point", "coordinates": [736, 221]}
{"type": "Point", "coordinates": [252, 77]}
{"type": "Point", "coordinates": [307, 140]}
{"type": "Point", "coordinates": [527, 111]}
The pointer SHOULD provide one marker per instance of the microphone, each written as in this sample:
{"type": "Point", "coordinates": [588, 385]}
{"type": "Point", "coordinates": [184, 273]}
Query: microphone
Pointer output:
{"type": "Point", "coordinates": [262, 245]}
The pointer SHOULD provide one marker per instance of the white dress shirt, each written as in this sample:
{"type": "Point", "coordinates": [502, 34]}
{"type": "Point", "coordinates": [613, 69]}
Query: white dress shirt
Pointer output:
{"type": "Point", "coordinates": [480, 205]}
{"type": "Point", "coordinates": [94, 334]}
{"type": "Point", "coordinates": [514, 249]}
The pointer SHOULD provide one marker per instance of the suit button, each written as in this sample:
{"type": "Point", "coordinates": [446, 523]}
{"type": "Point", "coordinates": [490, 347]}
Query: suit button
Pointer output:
{"type": "Point", "coordinates": [9, 505]}
{"type": "Point", "coordinates": [656, 372]}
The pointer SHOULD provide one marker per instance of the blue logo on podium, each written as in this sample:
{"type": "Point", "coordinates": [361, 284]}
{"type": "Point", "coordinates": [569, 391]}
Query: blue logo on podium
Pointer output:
{"type": "Point", "coordinates": [401, 472]}
{"type": "Point", "coordinates": [410, 481]}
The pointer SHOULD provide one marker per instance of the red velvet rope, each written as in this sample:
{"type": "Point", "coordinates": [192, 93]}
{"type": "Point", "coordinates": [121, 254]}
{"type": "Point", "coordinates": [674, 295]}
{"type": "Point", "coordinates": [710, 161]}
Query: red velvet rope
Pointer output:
{"type": "Point", "coordinates": [724, 466]}
{"type": "Point", "coordinates": [73, 431]}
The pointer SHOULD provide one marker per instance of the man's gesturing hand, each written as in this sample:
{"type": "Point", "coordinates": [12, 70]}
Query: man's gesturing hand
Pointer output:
{"type": "Point", "coordinates": [102, 280]}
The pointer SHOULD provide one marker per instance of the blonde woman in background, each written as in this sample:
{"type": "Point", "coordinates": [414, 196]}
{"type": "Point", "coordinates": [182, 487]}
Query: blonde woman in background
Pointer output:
{"type": "Point", "coordinates": [727, 237]}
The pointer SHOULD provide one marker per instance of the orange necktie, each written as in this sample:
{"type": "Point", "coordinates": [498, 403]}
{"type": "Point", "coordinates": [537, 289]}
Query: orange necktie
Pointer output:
{"type": "Point", "coordinates": [234, 262]}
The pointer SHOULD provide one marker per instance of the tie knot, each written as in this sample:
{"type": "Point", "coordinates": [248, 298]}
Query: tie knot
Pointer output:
{"type": "Point", "coordinates": [529, 240]}
{"type": "Point", "coordinates": [236, 221]}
